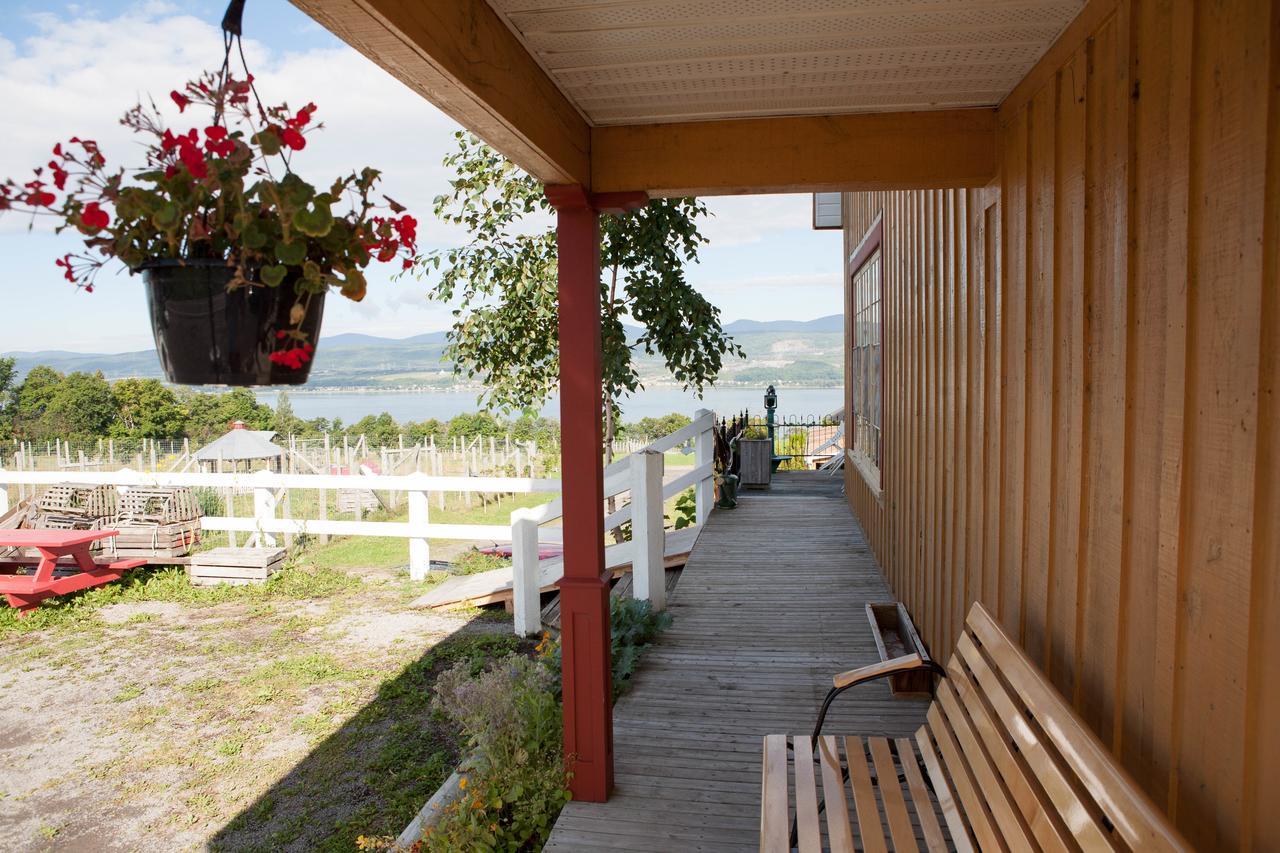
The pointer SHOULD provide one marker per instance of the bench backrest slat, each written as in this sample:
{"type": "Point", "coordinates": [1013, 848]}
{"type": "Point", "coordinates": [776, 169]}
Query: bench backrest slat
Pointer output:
{"type": "Point", "coordinates": [1042, 819]}
{"type": "Point", "coordinates": [1065, 783]}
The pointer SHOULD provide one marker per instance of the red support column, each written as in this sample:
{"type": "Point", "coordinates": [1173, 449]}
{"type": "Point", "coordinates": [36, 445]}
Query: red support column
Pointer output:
{"type": "Point", "coordinates": [584, 589]}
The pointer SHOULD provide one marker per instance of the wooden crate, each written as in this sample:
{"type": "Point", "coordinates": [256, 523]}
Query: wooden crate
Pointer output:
{"type": "Point", "coordinates": [176, 539]}
{"type": "Point", "coordinates": [235, 566]}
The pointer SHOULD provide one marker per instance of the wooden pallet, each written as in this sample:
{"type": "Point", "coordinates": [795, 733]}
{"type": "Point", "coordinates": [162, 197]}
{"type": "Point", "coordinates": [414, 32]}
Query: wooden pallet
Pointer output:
{"type": "Point", "coordinates": [235, 566]}
{"type": "Point", "coordinates": [78, 501]}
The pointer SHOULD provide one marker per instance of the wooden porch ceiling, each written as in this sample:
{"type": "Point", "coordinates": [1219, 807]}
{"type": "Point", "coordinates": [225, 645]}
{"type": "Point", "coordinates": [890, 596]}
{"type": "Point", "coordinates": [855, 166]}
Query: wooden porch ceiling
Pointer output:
{"type": "Point", "coordinates": [717, 96]}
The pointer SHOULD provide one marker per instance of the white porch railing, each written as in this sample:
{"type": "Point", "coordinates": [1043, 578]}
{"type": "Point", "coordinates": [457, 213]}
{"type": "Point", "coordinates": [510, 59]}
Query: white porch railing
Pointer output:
{"type": "Point", "coordinates": [419, 529]}
{"type": "Point", "coordinates": [642, 475]}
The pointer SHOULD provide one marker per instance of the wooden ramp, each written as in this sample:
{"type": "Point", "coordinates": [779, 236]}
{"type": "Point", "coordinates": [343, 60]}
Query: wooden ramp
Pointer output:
{"type": "Point", "coordinates": [494, 586]}
{"type": "Point", "coordinates": [771, 604]}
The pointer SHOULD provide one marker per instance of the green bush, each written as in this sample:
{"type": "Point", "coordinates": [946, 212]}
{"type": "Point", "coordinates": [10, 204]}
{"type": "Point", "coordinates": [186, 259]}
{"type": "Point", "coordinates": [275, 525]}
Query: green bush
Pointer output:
{"type": "Point", "coordinates": [686, 509]}
{"type": "Point", "coordinates": [514, 784]}
{"type": "Point", "coordinates": [633, 624]}
{"type": "Point", "coordinates": [209, 501]}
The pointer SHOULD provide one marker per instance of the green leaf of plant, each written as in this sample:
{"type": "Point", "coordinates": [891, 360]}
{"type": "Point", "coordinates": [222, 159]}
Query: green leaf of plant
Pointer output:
{"type": "Point", "coordinates": [268, 142]}
{"type": "Point", "coordinates": [291, 252]}
{"type": "Point", "coordinates": [315, 220]}
{"type": "Point", "coordinates": [273, 275]}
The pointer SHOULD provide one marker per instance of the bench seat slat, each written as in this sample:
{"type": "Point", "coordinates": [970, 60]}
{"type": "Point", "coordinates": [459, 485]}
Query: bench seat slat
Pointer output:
{"type": "Point", "coordinates": [775, 823]}
{"type": "Point", "coordinates": [1039, 813]}
{"type": "Point", "coordinates": [864, 797]}
{"type": "Point", "coordinates": [839, 833]}
{"type": "Point", "coordinates": [808, 834]}
{"type": "Point", "coordinates": [920, 797]}
{"type": "Point", "coordinates": [901, 832]}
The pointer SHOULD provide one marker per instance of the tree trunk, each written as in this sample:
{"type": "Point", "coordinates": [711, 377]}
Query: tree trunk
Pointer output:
{"type": "Point", "coordinates": [611, 503]}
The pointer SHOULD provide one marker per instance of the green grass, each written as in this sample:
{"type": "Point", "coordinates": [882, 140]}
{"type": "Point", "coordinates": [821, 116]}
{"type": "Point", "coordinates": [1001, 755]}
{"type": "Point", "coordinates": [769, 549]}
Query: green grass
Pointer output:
{"type": "Point", "coordinates": [77, 610]}
{"type": "Point", "coordinates": [394, 749]}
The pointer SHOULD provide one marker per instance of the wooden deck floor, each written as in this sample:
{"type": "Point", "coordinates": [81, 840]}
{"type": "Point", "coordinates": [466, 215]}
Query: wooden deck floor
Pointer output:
{"type": "Point", "coordinates": [768, 608]}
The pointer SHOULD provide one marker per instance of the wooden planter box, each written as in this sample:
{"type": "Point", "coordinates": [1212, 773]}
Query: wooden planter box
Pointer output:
{"type": "Point", "coordinates": [756, 455]}
{"type": "Point", "coordinates": [896, 636]}
{"type": "Point", "coordinates": [235, 566]}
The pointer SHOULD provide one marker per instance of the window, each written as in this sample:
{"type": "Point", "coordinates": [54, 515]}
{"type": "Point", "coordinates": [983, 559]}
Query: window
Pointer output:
{"type": "Point", "coordinates": [866, 289]}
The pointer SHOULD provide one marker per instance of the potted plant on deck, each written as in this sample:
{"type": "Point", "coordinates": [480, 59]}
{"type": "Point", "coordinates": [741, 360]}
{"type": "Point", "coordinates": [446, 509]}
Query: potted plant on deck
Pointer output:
{"type": "Point", "coordinates": [236, 250]}
{"type": "Point", "coordinates": [726, 435]}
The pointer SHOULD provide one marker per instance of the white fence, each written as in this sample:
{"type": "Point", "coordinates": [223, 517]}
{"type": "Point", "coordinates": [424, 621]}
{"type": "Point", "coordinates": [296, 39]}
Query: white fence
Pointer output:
{"type": "Point", "coordinates": [267, 489]}
{"type": "Point", "coordinates": [641, 474]}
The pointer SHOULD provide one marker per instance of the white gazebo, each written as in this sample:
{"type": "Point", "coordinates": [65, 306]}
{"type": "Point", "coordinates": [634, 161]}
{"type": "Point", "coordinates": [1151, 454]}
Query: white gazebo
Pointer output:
{"type": "Point", "coordinates": [239, 445]}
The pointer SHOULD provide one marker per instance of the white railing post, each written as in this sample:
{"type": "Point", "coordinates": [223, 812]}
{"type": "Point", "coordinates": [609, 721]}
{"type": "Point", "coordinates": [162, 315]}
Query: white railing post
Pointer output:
{"type": "Point", "coordinates": [525, 573]}
{"type": "Point", "coordinates": [419, 546]}
{"type": "Point", "coordinates": [704, 492]}
{"type": "Point", "coordinates": [264, 511]}
{"type": "Point", "coordinates": [648, 574]}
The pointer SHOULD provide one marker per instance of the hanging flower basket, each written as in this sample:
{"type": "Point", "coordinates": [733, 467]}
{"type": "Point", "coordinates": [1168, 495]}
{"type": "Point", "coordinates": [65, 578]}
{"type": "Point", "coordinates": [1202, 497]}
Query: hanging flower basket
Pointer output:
{"type": "Point", "coordinates": [209, 334]}
{"type": "Point", "coordinates": [236, 250]}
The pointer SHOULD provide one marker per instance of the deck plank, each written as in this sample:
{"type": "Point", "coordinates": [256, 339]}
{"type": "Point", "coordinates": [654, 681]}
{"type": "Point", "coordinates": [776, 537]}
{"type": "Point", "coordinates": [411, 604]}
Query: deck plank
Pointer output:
{"type": "Point", "coordinates": [770, 605]}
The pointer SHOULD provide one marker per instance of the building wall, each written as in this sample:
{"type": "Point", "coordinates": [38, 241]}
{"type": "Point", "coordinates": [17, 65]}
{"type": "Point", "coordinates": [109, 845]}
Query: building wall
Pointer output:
{"type": "Point", "coordinates": [1081, 419]}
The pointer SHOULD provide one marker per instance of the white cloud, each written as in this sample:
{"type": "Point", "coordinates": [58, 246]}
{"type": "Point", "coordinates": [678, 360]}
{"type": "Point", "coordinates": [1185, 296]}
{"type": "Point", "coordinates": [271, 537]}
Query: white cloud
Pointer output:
{"type": "Point", "coordinates": [746, 219]}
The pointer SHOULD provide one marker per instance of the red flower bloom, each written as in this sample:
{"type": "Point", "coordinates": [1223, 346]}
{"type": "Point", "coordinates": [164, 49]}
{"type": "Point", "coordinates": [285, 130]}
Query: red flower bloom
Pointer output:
{"type": "Point", "coordinates": [94, 217]}
{"type": "Point", "coordinates": [38, 197]}
{"type": "Point", "coordinates": [293, 139]}
{"type": "Point", "coordinates": [191, 157]}
{"type": "Point", "coordinates": [180, 99]}
{"type": "Point", "coordinates": [57, 150]}
{"type": "Point", "coordinates": [65, 263]}
{"type": "Point", "coordinates": [59, 175]}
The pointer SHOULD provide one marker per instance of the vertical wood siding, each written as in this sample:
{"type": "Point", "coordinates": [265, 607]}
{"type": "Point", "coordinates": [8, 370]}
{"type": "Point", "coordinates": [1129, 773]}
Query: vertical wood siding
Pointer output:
{"type": "Point", "coordinates": [1081, 419]}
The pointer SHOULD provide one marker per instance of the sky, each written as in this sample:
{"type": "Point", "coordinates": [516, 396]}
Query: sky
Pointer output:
{"type": "Point", "coordinates": [70, 69]}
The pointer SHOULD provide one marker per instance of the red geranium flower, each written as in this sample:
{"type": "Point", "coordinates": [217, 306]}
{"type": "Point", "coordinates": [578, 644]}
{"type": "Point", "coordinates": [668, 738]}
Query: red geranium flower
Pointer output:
{"type": "Point", "coordinates": [94, 217]}
{"type": "Point", "coordinates": [292, 138]}
{"type": "Point", "coordinates": [180, 99]}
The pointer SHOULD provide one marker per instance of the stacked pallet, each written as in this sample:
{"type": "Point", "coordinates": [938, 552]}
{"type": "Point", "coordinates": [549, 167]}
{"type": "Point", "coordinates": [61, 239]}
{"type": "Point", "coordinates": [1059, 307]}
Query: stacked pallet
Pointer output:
{"type": "Point", "coordinates": [157, 523]}
{"type": "Point", "coordinates": [235, 566]}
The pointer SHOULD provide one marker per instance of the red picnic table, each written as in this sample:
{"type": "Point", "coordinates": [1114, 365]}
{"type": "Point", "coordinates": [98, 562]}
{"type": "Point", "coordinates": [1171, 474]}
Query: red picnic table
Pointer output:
{"type": "Point", "coordinates": [59, 550]}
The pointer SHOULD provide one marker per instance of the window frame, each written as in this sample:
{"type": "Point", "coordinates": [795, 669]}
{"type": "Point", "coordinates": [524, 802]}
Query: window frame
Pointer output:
{"type": "Point", "coordinates": [870, 248]}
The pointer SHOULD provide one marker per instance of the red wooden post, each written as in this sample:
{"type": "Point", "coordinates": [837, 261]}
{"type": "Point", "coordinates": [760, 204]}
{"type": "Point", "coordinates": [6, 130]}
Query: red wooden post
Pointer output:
{"type": "Point", "coordinates": [584, 589]}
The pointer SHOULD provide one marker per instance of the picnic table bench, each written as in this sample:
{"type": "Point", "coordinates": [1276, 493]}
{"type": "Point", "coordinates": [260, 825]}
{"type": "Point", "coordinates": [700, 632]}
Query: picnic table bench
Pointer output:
{"type": "Point", "coordinates": [1003, 763]}
{"type": "Point", "coordinates": [64, 565]}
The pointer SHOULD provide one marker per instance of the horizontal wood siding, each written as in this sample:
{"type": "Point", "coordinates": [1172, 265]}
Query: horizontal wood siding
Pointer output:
{"type": "Point", "coordinates": [1081, 420]}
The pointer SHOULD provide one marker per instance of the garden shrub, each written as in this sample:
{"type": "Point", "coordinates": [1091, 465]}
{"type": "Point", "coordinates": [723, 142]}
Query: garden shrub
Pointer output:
{"type": "Point", "coordinates": [514, 783]}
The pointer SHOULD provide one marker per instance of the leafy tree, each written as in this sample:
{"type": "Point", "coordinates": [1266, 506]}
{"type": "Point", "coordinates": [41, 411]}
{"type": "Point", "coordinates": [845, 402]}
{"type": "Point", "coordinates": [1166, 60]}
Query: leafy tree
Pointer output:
{"type": "Point", "coordinates": [145, 408]}
{"type": "Point", "coordinates": [31, 400]}
{"type": "Point", "coordinates": [379, 430]}
{"type": "Point", "coordinates": [81, 406]}
{"type": "Point", "coordinates": [472, 425]}
{"type": "Point", "coordinates": [660, 426]}
{"type": "Point", "coordinates": [8, 377]}
{"type": "Point", "coordinates": [505, 281]}
{"type": "Point", "coordinates": [211, 415]}
{"type": "Point", "coordinates": [285, 421]}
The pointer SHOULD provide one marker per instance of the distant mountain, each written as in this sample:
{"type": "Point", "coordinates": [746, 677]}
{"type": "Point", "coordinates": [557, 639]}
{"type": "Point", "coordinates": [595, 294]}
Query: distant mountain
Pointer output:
{"type": "Point", "coordinates": [783, 351]}
{"type": "Point", "coordinates": [830, 323]}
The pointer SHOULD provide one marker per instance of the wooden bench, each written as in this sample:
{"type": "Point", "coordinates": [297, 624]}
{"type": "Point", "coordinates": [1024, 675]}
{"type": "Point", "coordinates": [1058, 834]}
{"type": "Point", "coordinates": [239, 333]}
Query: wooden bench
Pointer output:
{"type": "Point", "coordinates": [1003, 763]}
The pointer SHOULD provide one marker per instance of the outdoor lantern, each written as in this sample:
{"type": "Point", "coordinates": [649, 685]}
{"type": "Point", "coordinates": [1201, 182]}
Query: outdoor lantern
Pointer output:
{"type": "Point", "coordinates": [770, 399]}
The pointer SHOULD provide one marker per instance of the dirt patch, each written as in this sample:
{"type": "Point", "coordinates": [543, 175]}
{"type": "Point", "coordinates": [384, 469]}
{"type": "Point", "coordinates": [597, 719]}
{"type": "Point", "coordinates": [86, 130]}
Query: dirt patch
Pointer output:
{"type": "Point", "coordinates": [251, 725]}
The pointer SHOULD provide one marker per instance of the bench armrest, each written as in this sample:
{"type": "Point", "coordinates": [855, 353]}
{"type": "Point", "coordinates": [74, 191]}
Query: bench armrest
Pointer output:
{"type": "Point", "coordinates": [906, 663]}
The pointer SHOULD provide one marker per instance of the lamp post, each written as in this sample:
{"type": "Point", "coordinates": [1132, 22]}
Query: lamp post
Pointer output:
{"type": "Point", "coordinates": [770, 407]}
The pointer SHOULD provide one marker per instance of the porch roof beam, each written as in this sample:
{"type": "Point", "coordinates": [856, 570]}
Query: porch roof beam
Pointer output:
{"type": "Point", "coordinates": [461, 57]}
{"type": "Point", "coordinates": [867, 151]}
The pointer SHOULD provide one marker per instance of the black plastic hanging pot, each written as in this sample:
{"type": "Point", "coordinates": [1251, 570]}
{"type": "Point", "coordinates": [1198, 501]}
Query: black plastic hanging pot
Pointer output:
{"type": "Point", "coordinates": [207, 335]}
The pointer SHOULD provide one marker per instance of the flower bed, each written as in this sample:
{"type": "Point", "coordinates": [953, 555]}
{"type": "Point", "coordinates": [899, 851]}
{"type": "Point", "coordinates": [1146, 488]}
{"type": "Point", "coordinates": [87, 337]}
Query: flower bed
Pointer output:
{"type": "Point", "coordinates": [514, 784]}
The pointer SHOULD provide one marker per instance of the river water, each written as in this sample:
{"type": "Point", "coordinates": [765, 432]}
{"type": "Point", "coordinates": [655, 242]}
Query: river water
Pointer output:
{"type": "Point", "coordinates": [404, 406]}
